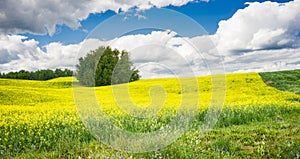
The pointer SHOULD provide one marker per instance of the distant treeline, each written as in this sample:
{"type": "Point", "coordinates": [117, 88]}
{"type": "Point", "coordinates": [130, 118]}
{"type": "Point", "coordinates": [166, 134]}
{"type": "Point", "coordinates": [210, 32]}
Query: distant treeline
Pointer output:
{"type": "Point", "coordinates": [37, 75]}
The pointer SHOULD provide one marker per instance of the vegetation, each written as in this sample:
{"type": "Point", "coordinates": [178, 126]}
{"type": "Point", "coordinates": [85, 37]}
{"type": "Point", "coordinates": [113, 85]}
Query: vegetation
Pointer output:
{"type": "Point", "coordinates": [37, 75]}
{"type": "Point", "coordinates": [283, 80]}
{"type": "Point", "coordinates": [105, 66]}
{"type": "Point", "coordinates": [39, 120]}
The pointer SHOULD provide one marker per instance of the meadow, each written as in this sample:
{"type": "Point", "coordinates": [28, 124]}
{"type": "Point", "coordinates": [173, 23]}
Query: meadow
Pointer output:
{"type": "Point", "coordinates": [39, 119]}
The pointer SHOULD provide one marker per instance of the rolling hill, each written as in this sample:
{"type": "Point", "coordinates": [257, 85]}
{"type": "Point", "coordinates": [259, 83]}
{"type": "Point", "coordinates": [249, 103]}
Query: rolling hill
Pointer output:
{"type": "Point", "coordinates": [39, 119]}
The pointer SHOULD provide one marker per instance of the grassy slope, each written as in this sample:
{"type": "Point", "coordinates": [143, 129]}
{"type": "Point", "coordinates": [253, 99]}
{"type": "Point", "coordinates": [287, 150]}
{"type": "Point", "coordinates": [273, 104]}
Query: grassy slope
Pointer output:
{"type": "Point", "coordinates": [39, 120]}
{"type": "Point", "coordinates": [283, 80]}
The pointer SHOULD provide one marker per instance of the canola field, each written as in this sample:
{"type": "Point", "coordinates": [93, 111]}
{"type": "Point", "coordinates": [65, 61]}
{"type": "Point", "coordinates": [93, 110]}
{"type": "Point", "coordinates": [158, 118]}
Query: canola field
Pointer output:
{"type": "Point", "coordinates": [39, 119]}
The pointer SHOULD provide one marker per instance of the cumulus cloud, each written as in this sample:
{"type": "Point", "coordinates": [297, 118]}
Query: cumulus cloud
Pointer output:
{"type": "Point", "coordinates": [262, 37]}
{"type": "Point", "coordinates": [17, 52]}
{"type": "Point", "coordinates": [264, 61]}
{"type": "Point", "coordinates": [16, 48]}
{"type": "Point", "coordinates": [158, 54]}
{"type": "Point", "coordinates": [173, 55]}
{"type": "Point", "coordinates": [42, 16]}
{"type": "Point", "coordinates": [260, 26]}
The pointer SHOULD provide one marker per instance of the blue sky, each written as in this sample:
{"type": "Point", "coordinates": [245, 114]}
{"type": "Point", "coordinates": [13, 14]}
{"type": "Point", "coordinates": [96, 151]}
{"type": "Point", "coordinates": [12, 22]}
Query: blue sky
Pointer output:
{"type": "Point", "coordinates": [207, 14]}
{"type": "Point", "coordinates": [249, 35]}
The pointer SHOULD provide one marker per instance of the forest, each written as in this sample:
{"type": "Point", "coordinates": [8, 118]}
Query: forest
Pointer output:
{"type": "Point", "coordinates": [37, 75]}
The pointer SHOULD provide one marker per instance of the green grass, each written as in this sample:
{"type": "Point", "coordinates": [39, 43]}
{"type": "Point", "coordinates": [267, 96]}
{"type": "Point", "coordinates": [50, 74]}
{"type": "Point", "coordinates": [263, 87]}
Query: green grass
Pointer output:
{"type": "Point", "coordinates": [275, 135]}
{"type": "Point", "coordinates": [283, 80]}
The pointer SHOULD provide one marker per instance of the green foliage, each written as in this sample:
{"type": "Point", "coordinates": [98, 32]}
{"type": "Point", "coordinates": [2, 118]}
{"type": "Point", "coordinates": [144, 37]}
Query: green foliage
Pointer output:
{"type": "Point", "coordinates": [283, 80]}
{"type": "Point", "coordinates": [105, 66]}
{"type": "Point", "coordinates": [37, 75]}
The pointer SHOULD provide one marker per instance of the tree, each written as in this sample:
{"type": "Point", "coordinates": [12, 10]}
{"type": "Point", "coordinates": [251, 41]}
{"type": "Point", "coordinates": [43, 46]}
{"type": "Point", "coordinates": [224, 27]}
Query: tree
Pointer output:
{"type": "Point", "coordinates": [123, 72]}
{"type": "Point", "coordinates": [105, 66]}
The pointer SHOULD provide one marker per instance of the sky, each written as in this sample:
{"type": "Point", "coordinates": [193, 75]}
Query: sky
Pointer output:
{"type": "Point", "coordinates": [164, 38]}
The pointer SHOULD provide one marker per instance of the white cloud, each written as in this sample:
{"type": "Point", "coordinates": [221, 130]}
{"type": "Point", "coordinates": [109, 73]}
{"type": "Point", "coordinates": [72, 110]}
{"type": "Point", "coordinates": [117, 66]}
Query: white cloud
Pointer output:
{"type": "Point", "coordinates": [265, 60]}
{"type": "Point", "coordinates": [261, 37]}
{"type": "Point", "coordinates": [42, 16]}
{"type": "Point", "coordinates": [177, 55]}
{"type": "Point", "coordinates": [159, 54]}
{"type": "Point", "coordinates": [260, 26]}
{"type": "Point", "coordinates": [17, 52]}
{"type": "Point", "coordinates": [15, 48]}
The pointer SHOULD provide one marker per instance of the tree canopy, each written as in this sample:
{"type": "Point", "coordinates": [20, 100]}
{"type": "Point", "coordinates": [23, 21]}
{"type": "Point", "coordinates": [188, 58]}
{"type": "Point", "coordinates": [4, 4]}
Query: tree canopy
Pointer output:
{"type": "Point", "coordinates": [105, 66]}
{"type": "Point", "coordinates": [37, 75]}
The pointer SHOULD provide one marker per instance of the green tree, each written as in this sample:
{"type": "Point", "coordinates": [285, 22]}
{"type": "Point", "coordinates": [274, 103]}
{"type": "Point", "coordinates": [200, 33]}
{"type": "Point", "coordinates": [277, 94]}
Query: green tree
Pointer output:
{"type": "Point", "coordinates": [105, 66]}
{"type": "Point", "coordinates": [123, 71]}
